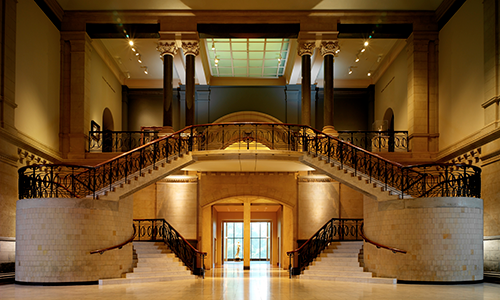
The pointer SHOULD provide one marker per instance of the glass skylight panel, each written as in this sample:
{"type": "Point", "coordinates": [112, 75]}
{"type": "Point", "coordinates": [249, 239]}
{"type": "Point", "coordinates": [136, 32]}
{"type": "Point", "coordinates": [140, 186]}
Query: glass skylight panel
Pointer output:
{"type": "Point", "coordinates": [264, 58]}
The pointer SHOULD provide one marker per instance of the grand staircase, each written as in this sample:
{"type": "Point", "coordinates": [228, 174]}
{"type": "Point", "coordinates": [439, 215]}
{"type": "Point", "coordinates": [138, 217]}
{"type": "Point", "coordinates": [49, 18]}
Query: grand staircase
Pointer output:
{"type": "Point", "coordinates": [155, 263]}
{"type": "Point", "coordinates": [340, 262]}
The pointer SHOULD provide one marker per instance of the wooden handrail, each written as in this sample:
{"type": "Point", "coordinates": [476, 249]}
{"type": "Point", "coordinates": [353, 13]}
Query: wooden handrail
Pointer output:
{"type": "Point", "coordinates": [394, 250]}
{"type": "Point", "coordinates": [119, 246]}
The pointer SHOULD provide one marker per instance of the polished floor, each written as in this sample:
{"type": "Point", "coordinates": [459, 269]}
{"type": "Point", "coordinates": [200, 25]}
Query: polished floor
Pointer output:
{"type": "Point", "coordinates": [261, 282]}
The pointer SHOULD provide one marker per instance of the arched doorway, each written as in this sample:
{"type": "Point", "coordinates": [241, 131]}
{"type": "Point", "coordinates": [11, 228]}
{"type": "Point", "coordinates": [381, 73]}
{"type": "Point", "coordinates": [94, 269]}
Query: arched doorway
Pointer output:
{"type": "Point", "coordinates": [108, 126]}
{"type": "Point", "coordinates": [261, 227]}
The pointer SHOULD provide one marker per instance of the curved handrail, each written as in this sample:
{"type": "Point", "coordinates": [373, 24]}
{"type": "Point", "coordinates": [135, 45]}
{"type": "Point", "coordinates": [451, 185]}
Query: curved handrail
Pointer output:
{"type": "Point", "coordinates": [334, 230]}
{"type": "Point", "coordinates": [119, 246]}
{"type": "Point", "coordinates": [86, 181]}
{"type": "Point", "coordinates": [180, 235]}
{"type": "Point", "coordinates": [159, 228]}
{"type": "Point", "coordinates": [394, 250]}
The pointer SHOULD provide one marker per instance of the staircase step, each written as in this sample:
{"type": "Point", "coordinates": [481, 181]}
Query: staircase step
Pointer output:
{"type": "Point", "coordinates": [351, 279]}
{"type": "Point", "coordinates": [336, 268]}
{"type": "Point", "coordinates": [339, 274]}
{"type": "Point", "coordinates": [158, 274]}
{"type": "Point", "coordinates": [144, 279]}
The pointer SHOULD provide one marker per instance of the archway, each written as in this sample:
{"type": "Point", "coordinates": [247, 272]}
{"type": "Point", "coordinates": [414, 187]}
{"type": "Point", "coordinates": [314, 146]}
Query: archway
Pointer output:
{"type": "Point", "coordinates": [108, 126]}
{"type": "Point", "coordinates": [246, 213]}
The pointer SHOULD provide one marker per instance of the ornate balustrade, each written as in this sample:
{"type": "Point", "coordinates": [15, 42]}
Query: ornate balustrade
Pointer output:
{"type": "Point", "coordinates": [119, 141]}
{"type": "Point", "coordinates": [45, 181]}
{"type": "Point", "coordinates": [161, 230]}
{"type": "Point", "coordinates": [377, 141]}
{"type": "Point", "coordinates": [334, 230]}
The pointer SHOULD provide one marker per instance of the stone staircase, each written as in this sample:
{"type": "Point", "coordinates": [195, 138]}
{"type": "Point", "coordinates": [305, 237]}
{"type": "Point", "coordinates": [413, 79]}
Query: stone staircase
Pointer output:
{"type": "Point", "coordinates": [145, 177]}
{"type": "Point", "coordinates": [155, 263]}
{"type": "Point", "coordinates": [341, 262]}
{"type": "Point", "coordinates": [346, 175]}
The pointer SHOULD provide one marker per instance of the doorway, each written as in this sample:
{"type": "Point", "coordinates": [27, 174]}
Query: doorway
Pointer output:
{"type": "Point", "coordinates": [260, 241]}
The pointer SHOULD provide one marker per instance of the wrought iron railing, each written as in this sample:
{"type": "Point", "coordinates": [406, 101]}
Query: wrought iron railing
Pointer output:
{"type": "Point", "coordinates": [119, 141]}
{"type": "Point", "coordinates": [334, 230]}
{"type": "Point", "coordinates": [377, 141]}
{"type": "Point", "coordinates": [47, 181]}
{"type": "Point", "coordinates": [161, 230]}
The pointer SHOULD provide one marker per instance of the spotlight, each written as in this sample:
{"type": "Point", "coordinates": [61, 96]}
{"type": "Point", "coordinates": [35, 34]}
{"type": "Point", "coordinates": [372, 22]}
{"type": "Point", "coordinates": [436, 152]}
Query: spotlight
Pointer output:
{"type": "Point", "coordinates": [366, 44]}
{"type": "Point", "coordinates": [350, 71]}
{"type": "Point", "coordinates": [363, 50]}
{"type": "Point", "coordinates": [139, 59]}
{"type": "Point", "coordinates": [369, 73]}
{"type": "Point", "coordinates": [145, 69]}
{"type": "Point", "coordinates": [213, 46]}
{"type": "Point", "coordinates": [131, 43]}
{"type": "Point", "coordinates": [357, 59]}
{"type": "Point", "coordinates": [133, 49]}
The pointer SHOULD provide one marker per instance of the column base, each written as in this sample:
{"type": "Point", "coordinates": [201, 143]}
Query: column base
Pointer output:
{"type": "Point", "coordinates": [330, 130]}
{"type": "Point", "coordinates": [166, 130]}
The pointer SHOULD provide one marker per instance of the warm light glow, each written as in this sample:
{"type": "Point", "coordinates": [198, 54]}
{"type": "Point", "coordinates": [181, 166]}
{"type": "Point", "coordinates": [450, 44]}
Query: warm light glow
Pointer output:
{"type": "Point", "coordinates": [139, 59]}
{"type": "Point", "coordinates": [363, 50]}
{"type": "Point", "coordinates": [366, 44]}
{"type": "Point", "coordinates": [357, 59]}
{"type": "Point", "coordinates": [137, 54]}
{"type": "Point", "coordinates": [369, 73]}
{"type": "Point", "coordinates": [131, 43]}
{"type": "Point", "coordinates": [350, 71]}
{"type": "Point", "coordinates": [213, 46]}
{"type": "Point", "coordinates": [133, 49]}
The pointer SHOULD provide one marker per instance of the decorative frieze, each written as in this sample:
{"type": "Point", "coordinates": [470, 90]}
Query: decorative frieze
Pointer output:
{"type": "Point", "coordinates": [191, 48]}
{"type": "Point", "coordinates": [306, 48]}
{"type": "Point", "coordinates": [330, 48]}
{"type": "Point", "coordinates": [167, 48]}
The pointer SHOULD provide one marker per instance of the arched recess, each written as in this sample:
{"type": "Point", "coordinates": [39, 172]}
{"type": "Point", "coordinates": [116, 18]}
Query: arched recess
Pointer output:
{"type": "Point", "coordinates": [247, 116]}
{"type": "Point", "coordinates": [108, 126]}
{"type": "Point", "coordinates": [389, 117]}
{"type": "Point", "coordinates": [282, 228]}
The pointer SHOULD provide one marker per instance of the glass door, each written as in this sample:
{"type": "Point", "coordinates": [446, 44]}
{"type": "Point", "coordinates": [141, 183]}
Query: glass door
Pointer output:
{"type": "Point", "coordinates": [260, 241]}
{"type": "Point", "coordinates": [233, 241]}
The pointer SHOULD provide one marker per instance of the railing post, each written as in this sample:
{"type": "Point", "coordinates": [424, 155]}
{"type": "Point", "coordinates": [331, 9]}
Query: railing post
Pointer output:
{"type": "Point", "coordinates": [190, 146]}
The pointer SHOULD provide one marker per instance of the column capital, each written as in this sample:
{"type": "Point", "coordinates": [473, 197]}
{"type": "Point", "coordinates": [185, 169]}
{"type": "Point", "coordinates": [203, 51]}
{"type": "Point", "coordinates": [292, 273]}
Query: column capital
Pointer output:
{"type": "Point", "coordinates": [330, 48]}
{"type": "Point", "coordinates": [167, 48]}
{"type": "Point", "coordinates": [306, 48]}
{"type": "Point", "coordinates": [191, 47]}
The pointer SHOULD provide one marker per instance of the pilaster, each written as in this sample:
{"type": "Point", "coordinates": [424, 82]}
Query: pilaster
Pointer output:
{"type": "Point", "coordinates": [422, 61]}
{"type": "Point", "coordinates": [75, 98]}
{"type": "Point", "coordinates": [7, 64]}
{"type": "Point", "coordinates": [167, 49]}
{"type": "Point", "coordinates": [329, 50]}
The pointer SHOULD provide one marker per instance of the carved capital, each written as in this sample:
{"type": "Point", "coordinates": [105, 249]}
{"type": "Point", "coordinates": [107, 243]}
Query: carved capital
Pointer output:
{"type": "Point", "coordinates": [306, 48]}
{"type": "Point", "coordinates": [167, 47]}
{"type": "Point", "coordinates": [330, 48]}
{"type": "Point", "coordinates": [191, 48]}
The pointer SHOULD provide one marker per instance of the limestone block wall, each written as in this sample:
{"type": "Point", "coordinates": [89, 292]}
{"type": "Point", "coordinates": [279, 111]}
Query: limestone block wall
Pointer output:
{"type": "Point", "coordinates": [55, 236]}
{"type": "Point", "coordinates": [492, 254]}
{"type": "Point", "coordinates": [443, 237]}
{"type": "Point", "coordinates": [320, 198]}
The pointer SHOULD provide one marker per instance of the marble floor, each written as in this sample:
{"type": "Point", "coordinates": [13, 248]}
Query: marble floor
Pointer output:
{"type": "Point", "coordinates": [261, 282]}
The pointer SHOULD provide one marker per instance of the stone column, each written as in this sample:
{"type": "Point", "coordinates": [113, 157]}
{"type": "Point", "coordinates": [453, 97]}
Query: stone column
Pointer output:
{"type": "Point", "coordinates": [8, 64]}
{"type": "Point", "coordinates": [191, 50]}
{"type": "Point", "coordinates": [422, 91]}
{"type": "Point", "coordinates": [76, 50]}
{"type": "Point", "coordinates": [305, 51]}
{"type": "Point", "coordinates": [167, 51]}
{"type": "Point", "coordinates": [246, 235]}
{"type": "Point", "coordinates": [329, 50]}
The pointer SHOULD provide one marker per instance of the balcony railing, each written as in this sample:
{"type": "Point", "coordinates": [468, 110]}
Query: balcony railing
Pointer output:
{"type": "Point", "coordinates": [119, 141]}
{"type": "Point", "coordinates": [445, 180]}
{"type": "Point", "coordinates": [377, 141]}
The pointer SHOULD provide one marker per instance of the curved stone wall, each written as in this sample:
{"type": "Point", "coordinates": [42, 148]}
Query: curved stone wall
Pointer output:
{"type": "Point", "coordinates": [443, 237]}
{"type": "Point", "coordinates": [55, 237]}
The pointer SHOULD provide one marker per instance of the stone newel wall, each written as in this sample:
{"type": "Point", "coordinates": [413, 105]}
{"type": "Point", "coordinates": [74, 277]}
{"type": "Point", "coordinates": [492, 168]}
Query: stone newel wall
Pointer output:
{"type": "Point", "coordinates": [55, 237]}
{"type": "Point", "coordinates": [443, 237]}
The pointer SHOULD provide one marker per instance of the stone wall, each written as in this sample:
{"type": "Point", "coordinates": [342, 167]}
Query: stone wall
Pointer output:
{"type": "Point", "coordinates": [55, 237]}
{"type": "Point", "coordinates": [443, 237]}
